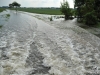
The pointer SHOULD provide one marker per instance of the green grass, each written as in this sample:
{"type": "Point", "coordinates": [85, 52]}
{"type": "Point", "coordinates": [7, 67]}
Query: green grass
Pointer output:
{"type": "Point", "coordinates": [7, 15]}
{"type": "Point", "coordinates": [2, 9]}
{"type": "Point", "coordinates": [42, 10]}
{"type": "Point", "coordinates": [0, 26]}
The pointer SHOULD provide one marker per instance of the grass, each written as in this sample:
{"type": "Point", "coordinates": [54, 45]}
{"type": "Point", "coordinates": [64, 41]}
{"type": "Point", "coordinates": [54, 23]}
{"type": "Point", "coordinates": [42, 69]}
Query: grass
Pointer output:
{"type": "Point", "coordinates": [49, 11]}
{"type": "Point", "coordinates": [2, 9]}
{"type": "Point", "coordinates": [0, 26]}
{"type": "Point", "coordinates": [7, 15]}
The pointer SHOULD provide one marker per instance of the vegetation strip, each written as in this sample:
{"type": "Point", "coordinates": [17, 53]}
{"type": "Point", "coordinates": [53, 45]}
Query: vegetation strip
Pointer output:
{"type": "Point", "coordinates": [2, 9]}
{"type": "Point", "coordinates": [50, 11]}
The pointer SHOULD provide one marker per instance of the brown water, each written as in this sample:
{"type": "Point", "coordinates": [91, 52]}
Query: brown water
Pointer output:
{"type": "Point", "coordinates": [29, 46]}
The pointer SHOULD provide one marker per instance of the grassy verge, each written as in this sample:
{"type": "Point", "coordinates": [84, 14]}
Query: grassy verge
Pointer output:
{"type": "Point", "coordinates": [49, 11]}
{"type": "Point", "coordinates": [2, 9]}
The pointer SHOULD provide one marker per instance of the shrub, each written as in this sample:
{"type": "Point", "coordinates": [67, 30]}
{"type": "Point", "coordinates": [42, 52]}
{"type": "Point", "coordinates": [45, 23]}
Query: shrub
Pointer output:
{"type": "Point", "coordinates": [65, 9]}
{"type": "Point", "coordinates": [51, 19]}
{"type": "Point", "coordinates": [8, 15]}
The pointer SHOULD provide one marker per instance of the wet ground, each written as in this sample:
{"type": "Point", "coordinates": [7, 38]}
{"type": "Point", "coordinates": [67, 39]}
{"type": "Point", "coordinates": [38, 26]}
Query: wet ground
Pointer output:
{"type": "Point", "coordinates": [92, 29]}
{"type": "Point", "coordinates": [30, 46]}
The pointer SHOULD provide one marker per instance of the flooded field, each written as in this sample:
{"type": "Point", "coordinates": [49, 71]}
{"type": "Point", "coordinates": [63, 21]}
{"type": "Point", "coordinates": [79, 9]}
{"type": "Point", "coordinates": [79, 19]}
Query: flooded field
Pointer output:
{"type": "Point", "coordinates": [30, 46]}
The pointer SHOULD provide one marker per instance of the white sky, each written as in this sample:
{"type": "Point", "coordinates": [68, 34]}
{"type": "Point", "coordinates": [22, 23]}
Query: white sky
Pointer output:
{"type": "Point", "coordinates": [37, 3]}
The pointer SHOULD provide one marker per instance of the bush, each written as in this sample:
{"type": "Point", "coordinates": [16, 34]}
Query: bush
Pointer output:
{"type": "Point", "coordinates": [90, 18]}
{"type": "Point", "coordinates": [51, 19]}
{"type": "Point", "coordinates": [7, 15]}
{"type": "Point", "coordinates": [65, 9]}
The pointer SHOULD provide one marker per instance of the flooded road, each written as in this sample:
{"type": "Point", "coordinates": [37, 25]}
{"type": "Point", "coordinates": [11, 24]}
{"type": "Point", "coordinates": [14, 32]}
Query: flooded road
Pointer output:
{"type": "Point", "coordinates": [29, 46]}
{"type": "Point", "coordinates": [15, 40]}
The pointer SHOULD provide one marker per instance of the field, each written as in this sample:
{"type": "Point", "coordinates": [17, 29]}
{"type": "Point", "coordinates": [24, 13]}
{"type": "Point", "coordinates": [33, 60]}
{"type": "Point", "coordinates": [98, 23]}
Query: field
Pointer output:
{"type": "Point", "coordinates": [50, 11]}
{"type": "Point", "coordinates": [2, 9]}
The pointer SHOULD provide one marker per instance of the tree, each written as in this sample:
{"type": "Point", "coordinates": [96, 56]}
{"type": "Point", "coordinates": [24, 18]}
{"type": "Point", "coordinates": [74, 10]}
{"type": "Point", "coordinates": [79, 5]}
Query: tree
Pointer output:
{"type": "Point", "coordinates": [97, 8]}
{"type": "Point", "coordinates": [88, 11]}
{"type": "Point", "coordinates": [78, 8]}
{"type": "Point", "coordinates": [65, 9]}
{"type": "Point", "coordinates": [19, 5]}
{"type": "Point", "coordinates": [16, 5]}
{"type": "Point", "coordinates": [90, 18]}
{"type": "Point", "coordinates": [10, 5]}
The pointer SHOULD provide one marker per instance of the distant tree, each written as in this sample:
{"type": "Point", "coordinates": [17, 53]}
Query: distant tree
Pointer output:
{"type": "Point", "coordinates": [65, 9]}
{"type": "Point", "coordinates": [16, 5]}
{"type": "Point", "coordinates": [19, 5]}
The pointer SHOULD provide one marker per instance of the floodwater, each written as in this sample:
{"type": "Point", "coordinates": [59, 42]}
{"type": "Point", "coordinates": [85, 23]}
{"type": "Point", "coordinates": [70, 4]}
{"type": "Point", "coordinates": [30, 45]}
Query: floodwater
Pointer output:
{"type": "Point", "coordinates": [16, 37]}
{"type": "Point", "coordinates": [29, 46]}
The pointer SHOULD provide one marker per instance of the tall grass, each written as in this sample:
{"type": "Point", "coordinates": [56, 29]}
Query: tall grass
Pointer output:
{"type": "Point", "coordinates": [49, 11]}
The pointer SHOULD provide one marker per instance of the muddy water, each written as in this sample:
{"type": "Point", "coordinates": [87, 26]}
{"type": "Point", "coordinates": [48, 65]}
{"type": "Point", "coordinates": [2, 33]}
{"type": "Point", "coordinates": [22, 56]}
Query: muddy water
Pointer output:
{"type": "Point", "coordinates": [68, 51]}
{"type": "Point", "coordinates": [86, 46]}
{"type": "Point", "coordinates": [15, 40]}
{"type": "Point", "coordinates": [29, 46]}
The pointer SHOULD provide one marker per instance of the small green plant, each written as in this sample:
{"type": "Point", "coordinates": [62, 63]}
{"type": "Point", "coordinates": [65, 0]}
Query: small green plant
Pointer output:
{"type": "Point", "coordinates": [7, 15]}
{"type": "Point", "coordinates": [51, 18]}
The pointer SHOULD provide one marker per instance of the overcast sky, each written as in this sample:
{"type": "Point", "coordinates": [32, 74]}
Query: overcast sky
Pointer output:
{"type": "Point", "coordinates": [37, 3]}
